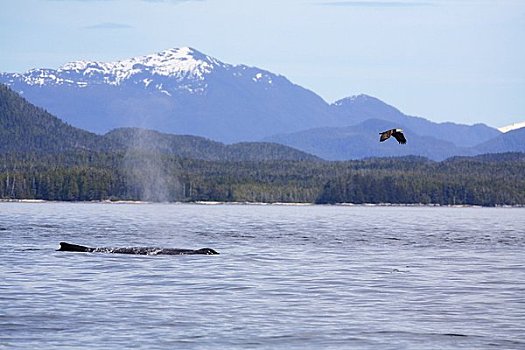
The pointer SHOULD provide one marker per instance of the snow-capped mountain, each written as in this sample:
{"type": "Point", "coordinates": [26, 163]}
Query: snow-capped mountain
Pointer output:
{"type": "Point", "coordinates": [511, 127]}
{"type": "Point", "coordinates": [178, 90]}
{"type": "Point", "coordinates": [184, 91]}
{"type": "Point", "coordinates": [186, 67]}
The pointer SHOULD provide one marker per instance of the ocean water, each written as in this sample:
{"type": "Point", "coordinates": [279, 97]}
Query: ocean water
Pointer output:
{"type": "Point", "coordinates": [287, 277]}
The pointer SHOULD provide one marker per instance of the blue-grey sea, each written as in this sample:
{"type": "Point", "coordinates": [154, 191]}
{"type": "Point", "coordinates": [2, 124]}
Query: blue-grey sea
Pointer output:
{"type": "Point", "coordinates": [287, 277]}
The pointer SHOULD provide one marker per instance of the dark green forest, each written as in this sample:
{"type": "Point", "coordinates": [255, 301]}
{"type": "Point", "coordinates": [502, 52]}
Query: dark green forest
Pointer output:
{"type": "Point", "coordinates": [43, 158]}
{"type": "Point", "coordinates": [86, 176]}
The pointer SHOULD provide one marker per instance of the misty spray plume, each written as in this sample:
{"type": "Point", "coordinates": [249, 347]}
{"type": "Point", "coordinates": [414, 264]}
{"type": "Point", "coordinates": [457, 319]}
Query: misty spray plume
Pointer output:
{"type": "Point", "coordinates": [150, 175]}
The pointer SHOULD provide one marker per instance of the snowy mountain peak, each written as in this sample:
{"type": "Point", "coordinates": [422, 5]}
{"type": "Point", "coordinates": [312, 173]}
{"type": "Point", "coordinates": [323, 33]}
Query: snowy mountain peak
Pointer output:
{"type": "Point", "coordinates": [354, 99]}
{"type": "Point", "coordinates": [174, 61]}
{"type": "Point", "coordinates": [179, 62]}
{"type": "Point", "coordinates": [176, 70]}
{"type": "Point", "coordinates": [511, 127]}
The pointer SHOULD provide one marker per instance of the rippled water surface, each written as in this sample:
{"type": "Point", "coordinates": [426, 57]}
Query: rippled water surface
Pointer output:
{"type": "Point", "coordinates": [287, 277]}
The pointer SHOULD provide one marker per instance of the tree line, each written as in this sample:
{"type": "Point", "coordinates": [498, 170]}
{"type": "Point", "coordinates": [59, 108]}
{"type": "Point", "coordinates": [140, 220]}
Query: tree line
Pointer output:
{"type": "Point", "coordinates": [84, 175]}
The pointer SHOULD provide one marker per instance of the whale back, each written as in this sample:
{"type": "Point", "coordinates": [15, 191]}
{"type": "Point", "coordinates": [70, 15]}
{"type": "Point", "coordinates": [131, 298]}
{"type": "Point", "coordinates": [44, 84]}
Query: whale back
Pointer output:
{"type": "Point", "coordinates": [206, 251]}
{"type": "Point", "coordinates": [68, 247]}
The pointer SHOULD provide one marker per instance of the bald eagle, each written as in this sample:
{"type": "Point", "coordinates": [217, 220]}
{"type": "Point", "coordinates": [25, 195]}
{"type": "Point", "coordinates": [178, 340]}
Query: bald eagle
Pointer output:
{"type": "Point", "coordinates": [397, 133]}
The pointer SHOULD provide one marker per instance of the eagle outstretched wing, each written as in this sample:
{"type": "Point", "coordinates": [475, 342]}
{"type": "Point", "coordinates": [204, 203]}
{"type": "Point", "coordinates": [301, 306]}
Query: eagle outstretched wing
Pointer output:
{"type": "Point", "coordinates": [400, 137]}
{"type": "Point", "coordinates": [396, 133]}
{"type": "Point", "coordinates": [385, 135]}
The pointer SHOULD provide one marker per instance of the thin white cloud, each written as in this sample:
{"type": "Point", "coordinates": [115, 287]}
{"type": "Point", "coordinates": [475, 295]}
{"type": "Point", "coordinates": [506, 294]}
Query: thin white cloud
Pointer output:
{"type": "Point", "coordinates": [376, 4]}
{"type": "Point", "coordinates": [172, 1]}
{"type": "Point", "coordinates": [108, 25]}
{"type": "Point", "coordinates": [81, 0]}
{"type": "Point", "coordinates": [151, 1]}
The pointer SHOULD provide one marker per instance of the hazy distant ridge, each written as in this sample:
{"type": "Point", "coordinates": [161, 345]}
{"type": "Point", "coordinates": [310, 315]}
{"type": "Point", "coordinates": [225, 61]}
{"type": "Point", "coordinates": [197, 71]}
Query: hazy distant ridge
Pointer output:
{"type": "Point", "coordinates": [25, 128]}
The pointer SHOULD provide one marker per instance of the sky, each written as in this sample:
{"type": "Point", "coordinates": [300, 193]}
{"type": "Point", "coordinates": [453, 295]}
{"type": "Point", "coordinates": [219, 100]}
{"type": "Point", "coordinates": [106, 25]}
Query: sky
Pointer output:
{"type": "Point", "coordinates": [461, 61]}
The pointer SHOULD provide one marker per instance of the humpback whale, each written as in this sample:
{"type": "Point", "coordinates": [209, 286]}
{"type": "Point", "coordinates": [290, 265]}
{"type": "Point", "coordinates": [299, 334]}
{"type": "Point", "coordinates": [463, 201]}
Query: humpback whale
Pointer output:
{"type": "Point", "coordinates": [68, 247]}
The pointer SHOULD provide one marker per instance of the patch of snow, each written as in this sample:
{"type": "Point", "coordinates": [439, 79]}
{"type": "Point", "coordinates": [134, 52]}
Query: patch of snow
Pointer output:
{"type": "Point", "coordinates": [511, 127]}
{"type": "Point", "coordinates": [350, 99]}
{"type": "Point", "coordinates": [260, 77]}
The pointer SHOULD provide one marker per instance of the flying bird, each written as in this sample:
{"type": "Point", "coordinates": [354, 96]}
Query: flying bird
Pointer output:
{"type": "Point", "coordinates": [397, 133]}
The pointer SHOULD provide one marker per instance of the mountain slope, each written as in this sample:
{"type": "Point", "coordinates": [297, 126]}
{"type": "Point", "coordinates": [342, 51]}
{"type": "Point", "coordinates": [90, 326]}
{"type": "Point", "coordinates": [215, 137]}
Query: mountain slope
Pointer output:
{"type": "Point", "coordinates": [26, 128]}
{"type": "Point", "coordinates": [178, 91]}
{"type": "Point", "coordinates": [362, 107]}
{"type": "Point", "coordinates": [511, 141]}
{"type": "Point", "coordinates": [183, 91]}
{"type": "Point", "coordinates": [195, 147]}
{"type": "Point", "coordinates": [511, 127]}
{"type": "Point", "coordinates": [362, 141]}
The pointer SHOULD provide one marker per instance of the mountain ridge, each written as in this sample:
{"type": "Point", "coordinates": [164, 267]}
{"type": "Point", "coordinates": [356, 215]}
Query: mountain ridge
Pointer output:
{"type": "Point", "coordinates": [512, 126]}
{"type": "Point", "coordinates": [362, 141]}
{"type": "Point", "coordinates": [186, 92]}
{"type": "Point", "coordinates": [230, 104]}
{"type": "Point", "coordinates": [25, 128]}
{"type": "Point", "coordinates": [362, 107]}
{"type": "Point", "coordinates": [196, 147]}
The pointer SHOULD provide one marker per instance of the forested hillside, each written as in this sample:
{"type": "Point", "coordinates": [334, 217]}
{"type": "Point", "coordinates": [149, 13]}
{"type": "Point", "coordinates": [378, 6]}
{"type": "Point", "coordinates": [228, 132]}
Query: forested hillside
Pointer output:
{"type": "Point", "coordinates": [43, 158]}
{"type": "Point", "coordinates": [495, 180]}
{"type": "Point", "coordinates": [25, 128]}
{"type": "Point", "coordinates": [195, 147]}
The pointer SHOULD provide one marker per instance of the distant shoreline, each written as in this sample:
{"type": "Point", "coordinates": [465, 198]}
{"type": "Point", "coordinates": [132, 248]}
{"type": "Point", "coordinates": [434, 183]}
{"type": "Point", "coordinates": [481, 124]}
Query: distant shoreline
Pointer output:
{"type": "Point", "coordinates": [288, 204]}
